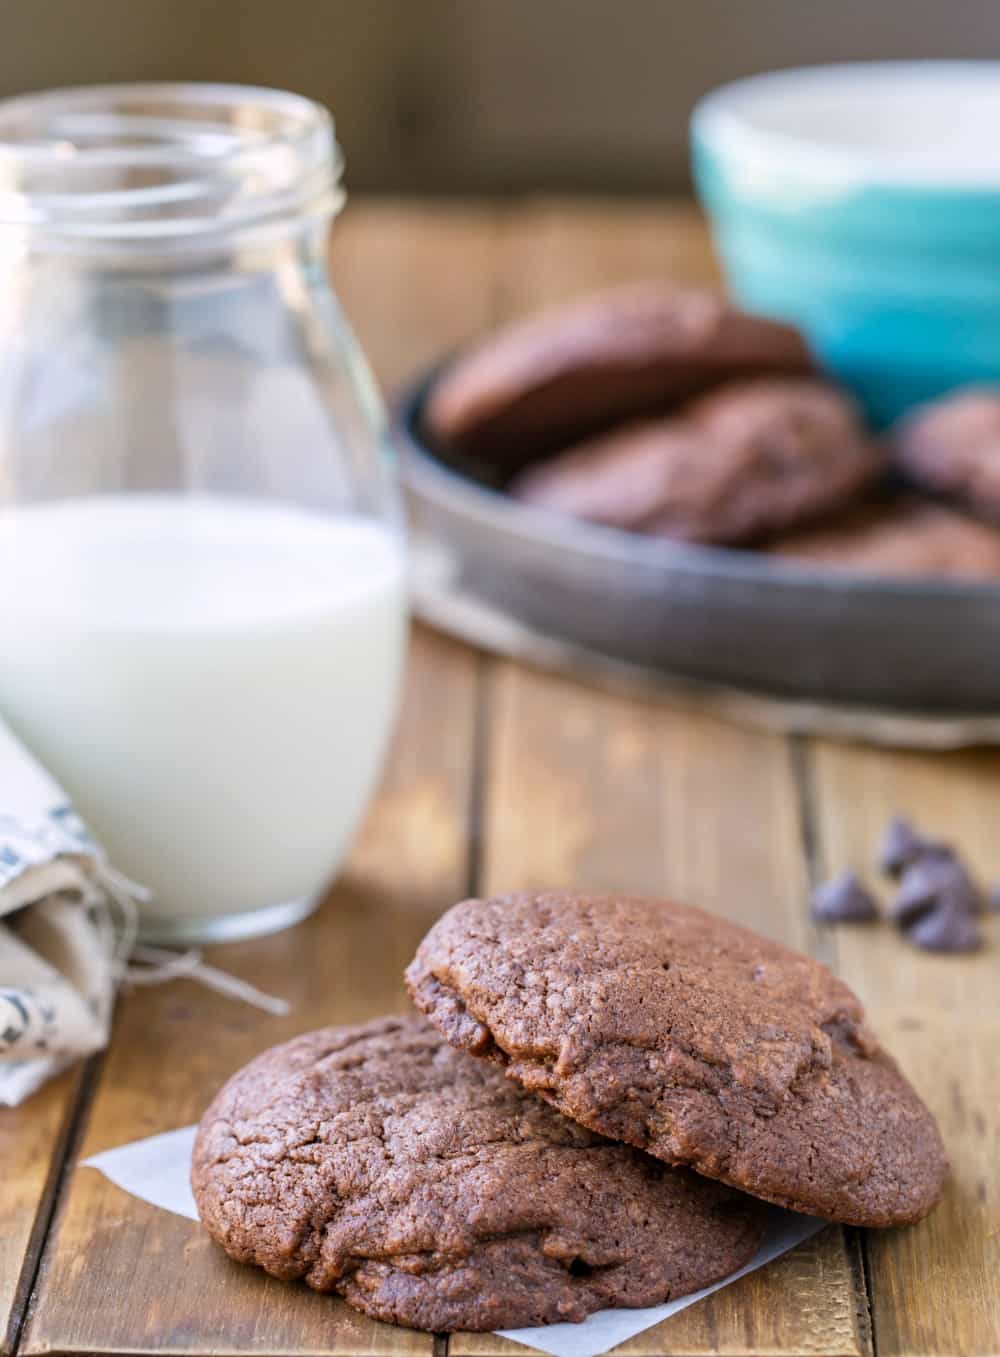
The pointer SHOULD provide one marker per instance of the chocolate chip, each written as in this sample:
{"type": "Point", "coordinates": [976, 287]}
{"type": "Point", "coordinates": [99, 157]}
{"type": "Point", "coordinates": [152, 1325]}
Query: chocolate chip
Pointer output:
{"type": "Point", "coordinates": [927, 880]}
{"type": "Point", "coordinates": [843, 900]}
{"type": "Point", "coordinates": [946, 927]}
{"type": "Point", "coordinates": [901, 845]}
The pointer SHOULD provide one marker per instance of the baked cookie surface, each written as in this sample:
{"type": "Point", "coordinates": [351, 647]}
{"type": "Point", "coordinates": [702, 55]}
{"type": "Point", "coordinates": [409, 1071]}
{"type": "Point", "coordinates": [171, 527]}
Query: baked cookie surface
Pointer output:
{"type": "Point", "coordinates": [692, 1038]}
{"type": "Point", "coordinates": [908, 536]}
{"type": "Point", "coordinates": [561, 374]}
{"type": "Point", "coordinates": [747, 459]}
{"type": "Point", "coordinates": [952, 447]}
{"type": "Point", "coordinates": [429, 1190]}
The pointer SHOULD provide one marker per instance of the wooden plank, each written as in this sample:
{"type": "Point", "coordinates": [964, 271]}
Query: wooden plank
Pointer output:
{"type": "Point", "coordinates": [174, 1045]}
{"type": "Point", "coordinates": [415, 279]}
{"type": "Point", "coordinates": [591, 789]}
{"type": "Point", "coordinates": [934, 1286]}
{"type": "Point", "coordinates": [552, 250]}
{"type": "Point", "coordinates": [628, 794]}
{"type": "Point", "coordinates": [953, 796]}
{"type": "Point", "coordinates": [32, 1142]}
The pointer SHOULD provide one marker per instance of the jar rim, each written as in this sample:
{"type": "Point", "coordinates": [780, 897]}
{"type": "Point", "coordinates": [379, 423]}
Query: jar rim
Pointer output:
{"type": "Point", "coordinates": [157, 164]}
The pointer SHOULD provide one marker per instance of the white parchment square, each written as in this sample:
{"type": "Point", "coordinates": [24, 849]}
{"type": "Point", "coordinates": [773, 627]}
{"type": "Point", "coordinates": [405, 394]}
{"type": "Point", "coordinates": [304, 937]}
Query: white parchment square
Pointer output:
{"type": "Point", "coordinates": [158, 1169]}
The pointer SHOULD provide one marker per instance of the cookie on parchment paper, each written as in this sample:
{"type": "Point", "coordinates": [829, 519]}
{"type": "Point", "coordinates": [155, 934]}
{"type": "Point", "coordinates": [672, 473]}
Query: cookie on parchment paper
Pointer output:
{"type": "Point", "coordinates": [692, 1038]}
{"type": "Point", "coordinates": [429, 1190]}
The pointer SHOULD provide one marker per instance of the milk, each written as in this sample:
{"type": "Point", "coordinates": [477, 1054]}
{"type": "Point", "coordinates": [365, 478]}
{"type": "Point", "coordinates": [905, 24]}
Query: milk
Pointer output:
{"type": "Point", "coordinates": [212, 681]}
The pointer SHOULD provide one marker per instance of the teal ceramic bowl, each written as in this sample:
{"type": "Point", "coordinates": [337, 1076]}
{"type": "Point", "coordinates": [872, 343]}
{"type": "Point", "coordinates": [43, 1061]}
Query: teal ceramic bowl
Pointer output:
{"type": "Point", "coordinates": [862, 202]}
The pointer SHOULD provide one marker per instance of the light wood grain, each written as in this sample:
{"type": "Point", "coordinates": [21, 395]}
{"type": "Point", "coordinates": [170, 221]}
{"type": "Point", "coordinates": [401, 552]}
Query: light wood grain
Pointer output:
{"type": "Point", "coordinates": [952, 796]}
{"type": "Point", "coordinates": [173, 1046]}
{"type": "Point", "coordinates": [416, 280]}
{"type": "Point", "coordinates": [550, 252]}
{"type": "Point", "coordinates": [592, 790]}
{"type": "Point", "coordinates": [32, 1139]}
{"type": "Point", "coordinates": [934, 1287]}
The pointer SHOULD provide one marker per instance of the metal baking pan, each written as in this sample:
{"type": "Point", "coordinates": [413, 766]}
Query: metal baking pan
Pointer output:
{"type": "Point", "coordinates": [715, 614]}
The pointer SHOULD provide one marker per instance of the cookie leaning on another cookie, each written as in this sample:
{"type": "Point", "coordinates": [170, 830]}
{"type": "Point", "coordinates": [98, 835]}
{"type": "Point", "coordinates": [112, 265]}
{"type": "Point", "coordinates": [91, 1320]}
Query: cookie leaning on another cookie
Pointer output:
{"type": "Point", "coordinates": [691, 1038]}
{"type": "Point", "coordinates": [560, 375]}
{"type": "Point", "coordinates": [430, 1191]}
{"type": "Point", "coordinates": [745, 460]}
{"type": "Point", "coordinates": [621, 477]}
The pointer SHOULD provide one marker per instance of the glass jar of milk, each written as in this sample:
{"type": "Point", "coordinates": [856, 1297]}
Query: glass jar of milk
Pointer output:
{"type": "Point", "coordinates": [201, 548]}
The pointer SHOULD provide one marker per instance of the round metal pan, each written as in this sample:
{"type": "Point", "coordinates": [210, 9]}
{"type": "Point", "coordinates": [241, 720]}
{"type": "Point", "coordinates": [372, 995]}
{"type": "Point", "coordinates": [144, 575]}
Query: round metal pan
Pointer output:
{"type": "Point", "coordinates": [712, 613]}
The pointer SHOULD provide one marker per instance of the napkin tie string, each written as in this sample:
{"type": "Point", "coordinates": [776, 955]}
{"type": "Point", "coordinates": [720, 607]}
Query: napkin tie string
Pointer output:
{"type": "Point", "coordinates": [140, 964]}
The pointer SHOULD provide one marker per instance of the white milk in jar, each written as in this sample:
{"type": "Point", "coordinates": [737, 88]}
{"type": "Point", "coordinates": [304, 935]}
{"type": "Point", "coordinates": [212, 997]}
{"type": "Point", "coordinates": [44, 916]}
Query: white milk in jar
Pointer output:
{"type": "Point", "coordinates": [212, 680]}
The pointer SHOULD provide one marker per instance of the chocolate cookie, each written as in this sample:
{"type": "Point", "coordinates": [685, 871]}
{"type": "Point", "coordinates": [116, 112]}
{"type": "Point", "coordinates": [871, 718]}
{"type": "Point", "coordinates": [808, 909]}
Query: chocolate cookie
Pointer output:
{"type": "Point", "coordinates": [428, 1190]}
{"type": "Point", "coordinates": [558, 376]}
{"type": "Point", "coordinates": [624, 477]}
{"type": "Point", "coordinates": [952, 446]}
{"type": "Point", "coordinates": [747, 459]}
{"type": "Point", "coordinates": [692, 1038]}
{"type": "Point", "coordinates": [906, 536]}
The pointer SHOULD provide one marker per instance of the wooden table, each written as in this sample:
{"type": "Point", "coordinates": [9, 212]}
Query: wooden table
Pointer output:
{"type": "Point", "coordinates": [501, 778]}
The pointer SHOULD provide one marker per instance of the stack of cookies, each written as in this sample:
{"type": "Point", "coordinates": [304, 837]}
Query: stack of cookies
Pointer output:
{"type": "Point", "coordinates": [600, 1096]}
{"type": "Point", "coordinates": [671, 413]}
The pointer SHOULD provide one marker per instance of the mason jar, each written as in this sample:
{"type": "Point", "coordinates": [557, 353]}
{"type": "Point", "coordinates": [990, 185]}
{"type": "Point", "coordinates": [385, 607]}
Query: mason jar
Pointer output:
{"type": "Point", "coordinates": [202, 568]}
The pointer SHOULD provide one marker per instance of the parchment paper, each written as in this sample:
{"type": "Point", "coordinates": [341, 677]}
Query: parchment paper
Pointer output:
{"type": "Point", "coordinates": [157, 1170]}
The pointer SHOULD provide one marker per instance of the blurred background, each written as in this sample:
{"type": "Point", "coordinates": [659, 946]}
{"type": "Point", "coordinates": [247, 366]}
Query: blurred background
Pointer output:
{"type": "Point", "coordinates": [494, 96]}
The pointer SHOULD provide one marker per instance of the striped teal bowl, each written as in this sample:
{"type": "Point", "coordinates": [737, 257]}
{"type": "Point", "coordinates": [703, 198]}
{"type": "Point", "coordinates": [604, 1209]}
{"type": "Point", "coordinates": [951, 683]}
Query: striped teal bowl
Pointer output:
{"type": "Point", "coordinates": [862, 202]}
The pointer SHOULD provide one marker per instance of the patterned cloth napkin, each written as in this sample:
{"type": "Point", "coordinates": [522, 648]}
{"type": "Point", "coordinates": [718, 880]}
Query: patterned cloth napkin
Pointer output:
{"type": "Point", "coordinates": [68, 924]}
{"type": "Point", "coordinates": [61, 932]}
